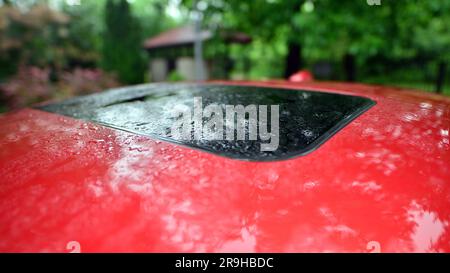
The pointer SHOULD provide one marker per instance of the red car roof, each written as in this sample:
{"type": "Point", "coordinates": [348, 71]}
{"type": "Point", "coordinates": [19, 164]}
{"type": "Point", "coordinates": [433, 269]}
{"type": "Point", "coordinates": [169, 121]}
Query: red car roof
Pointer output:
{"type": "Point", "coordinates": [383, 181]}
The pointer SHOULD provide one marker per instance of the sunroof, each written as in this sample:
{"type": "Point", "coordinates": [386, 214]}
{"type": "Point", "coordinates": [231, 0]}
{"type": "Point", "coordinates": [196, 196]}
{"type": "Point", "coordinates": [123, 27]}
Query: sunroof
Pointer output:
{"type": "Point", "coordinates": [240, 122]}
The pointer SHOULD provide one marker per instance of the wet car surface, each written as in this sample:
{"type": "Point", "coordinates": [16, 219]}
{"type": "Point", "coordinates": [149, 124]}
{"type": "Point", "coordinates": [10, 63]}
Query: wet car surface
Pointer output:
{"type": "Point", "coordinates": [383, 178]}
{"type": "Point", "coordinates": [305, 119]}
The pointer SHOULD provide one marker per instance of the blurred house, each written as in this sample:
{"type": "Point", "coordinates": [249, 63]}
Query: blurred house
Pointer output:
{"type": "Point", "coordinates": [172, 52]}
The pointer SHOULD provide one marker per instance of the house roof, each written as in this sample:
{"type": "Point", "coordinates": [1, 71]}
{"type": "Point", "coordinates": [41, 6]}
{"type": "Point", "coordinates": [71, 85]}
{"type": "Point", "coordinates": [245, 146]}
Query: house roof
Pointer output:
{"type": "Point", "coordinates": [176, 36]}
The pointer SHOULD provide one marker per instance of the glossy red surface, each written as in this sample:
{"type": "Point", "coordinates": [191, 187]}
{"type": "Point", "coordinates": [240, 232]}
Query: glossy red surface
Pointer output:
{"type": "Point", "coordinates": [383, 180]}
{"type": "Point", "coordinates": [301, 76]}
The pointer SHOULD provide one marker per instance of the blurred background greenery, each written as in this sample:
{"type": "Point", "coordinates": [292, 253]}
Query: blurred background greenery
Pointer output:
{"type": "Point", "coordinates": [51, 49]}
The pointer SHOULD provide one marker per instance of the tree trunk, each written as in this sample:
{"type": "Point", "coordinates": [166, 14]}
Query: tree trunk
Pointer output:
{"type": "Point", "coordinates": [228, 63]}
{"type": "Point", "coordinates": [293, 59]}
{"type": "Point", "coordinates": [349, 67]}
{"type": "Point", "coordinates": [442, 67]}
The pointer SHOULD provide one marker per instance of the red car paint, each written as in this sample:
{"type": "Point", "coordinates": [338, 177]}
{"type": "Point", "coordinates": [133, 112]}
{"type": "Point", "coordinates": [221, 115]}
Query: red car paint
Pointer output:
{"type": "Point", "coordinates": [382, 183]}
{"type": "Point", "coordinates": [301, 76]}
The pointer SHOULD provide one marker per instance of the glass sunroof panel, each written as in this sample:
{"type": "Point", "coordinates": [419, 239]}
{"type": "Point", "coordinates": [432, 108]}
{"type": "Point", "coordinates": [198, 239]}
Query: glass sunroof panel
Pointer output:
{"type": "Point", "coordinates": [305, 119]}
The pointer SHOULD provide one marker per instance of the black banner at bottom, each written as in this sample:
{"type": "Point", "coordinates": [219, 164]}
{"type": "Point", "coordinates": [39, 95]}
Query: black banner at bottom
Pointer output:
{"type": "Point", "coordinates": [187, 262]}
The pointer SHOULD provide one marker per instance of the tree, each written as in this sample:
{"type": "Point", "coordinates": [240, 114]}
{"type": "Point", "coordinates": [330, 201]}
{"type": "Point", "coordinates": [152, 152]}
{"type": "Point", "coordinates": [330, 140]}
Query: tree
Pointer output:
{"type": "Point", "coordinates": [122, 43]}
{"type": "Point", "coordinates": [262, 20]}
{"type": "Point", "coordinates": [34, 36]}
{"type": "Point", "coordinates": [152, 16]}
{"type": "Point", "coordinates": [84, 33]}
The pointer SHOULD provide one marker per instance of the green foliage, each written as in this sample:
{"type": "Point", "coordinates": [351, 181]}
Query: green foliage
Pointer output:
{"type": "Point", "coordinates": [152, 17]}
{"type": "Point", "coordinates": [122, 43]}
{"type": "Point", "coordinates": [400, 41]}
{"type": "Point", "coordinates": [33, 34]}
{"type": "Point", "coordinates": [398, 38]}
{"type": "Point", "coordinates": [31, 37]}
{"type": "Point", "coordinates": [51, 49]}
{"type": "Point", "coordinates": [84, 33]}
{"type": "Point", "coordinates": [174, 76]}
